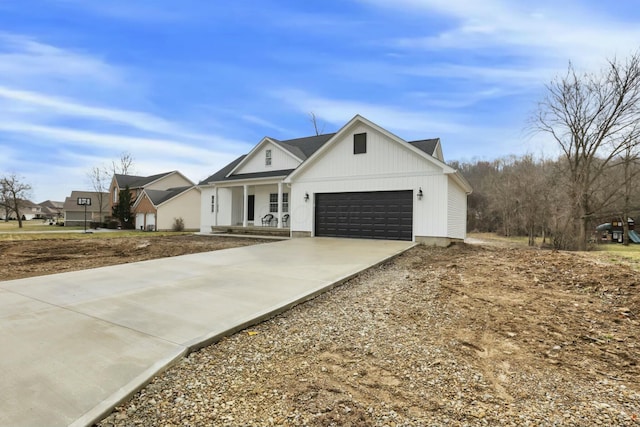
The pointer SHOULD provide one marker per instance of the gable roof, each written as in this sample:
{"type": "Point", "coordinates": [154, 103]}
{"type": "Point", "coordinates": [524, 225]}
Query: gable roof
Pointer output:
{"type": "Point", "coordinates": [418, 147]}
{"type": "Point", "coordinates": [222, 173]}
{"type": "Point", "coordinates": [301, 148]}
{"type": "Point", "coordinates": [426, 145]}
{"type": "Point", "coordinates": [135, 181]}
{"type": "Point", "coordinates": [306, 146]}
{"type": "Point", "coordinates": [158, 197]}
{"type": "Point", "coordinates": [51, 204]}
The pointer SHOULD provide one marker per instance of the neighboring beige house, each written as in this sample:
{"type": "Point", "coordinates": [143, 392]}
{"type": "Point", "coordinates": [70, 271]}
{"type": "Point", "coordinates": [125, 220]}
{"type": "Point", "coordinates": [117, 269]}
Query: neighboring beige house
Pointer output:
{"type": "Point", "coordinates": [52, 210]}
{"type": "Point", "coordinates": [159, 209]}
{"type": "Point", "coordinates": [159, 199]}
{"type": "Point", "coordinates": [74, 214]}
{"type": "Point", "coordinates": [361, 182]}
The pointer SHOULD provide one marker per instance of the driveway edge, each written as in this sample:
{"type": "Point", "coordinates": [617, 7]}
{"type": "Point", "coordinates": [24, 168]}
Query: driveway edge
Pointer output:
{"type": "Point", "coordinates": [102, 410]}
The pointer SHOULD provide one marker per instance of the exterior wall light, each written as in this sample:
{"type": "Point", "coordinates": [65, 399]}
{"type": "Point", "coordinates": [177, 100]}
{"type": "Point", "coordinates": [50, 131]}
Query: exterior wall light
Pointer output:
{"type": "Point", "coordinates": [419, 194]}
{"type": "Point", "coordinates": [306, 197]}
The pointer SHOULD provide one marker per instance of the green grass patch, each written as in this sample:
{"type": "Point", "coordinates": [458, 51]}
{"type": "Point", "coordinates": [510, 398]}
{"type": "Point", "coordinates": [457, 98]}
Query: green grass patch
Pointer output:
{"type": "Point", "coordinates": [632, 251]}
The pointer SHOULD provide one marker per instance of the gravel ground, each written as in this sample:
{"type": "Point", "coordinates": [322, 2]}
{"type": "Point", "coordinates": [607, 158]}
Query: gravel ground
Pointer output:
{"type": "Point", "coordinates": [464, 336]}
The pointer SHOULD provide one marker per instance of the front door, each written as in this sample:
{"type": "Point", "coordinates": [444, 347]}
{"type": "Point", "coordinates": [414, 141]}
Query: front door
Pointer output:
{"type": "Point", "coordinates": [251, 204]}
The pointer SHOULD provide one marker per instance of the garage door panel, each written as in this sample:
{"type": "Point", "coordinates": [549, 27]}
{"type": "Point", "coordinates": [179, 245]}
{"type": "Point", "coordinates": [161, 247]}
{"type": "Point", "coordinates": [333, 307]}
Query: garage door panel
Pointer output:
{"type": "Point", "coordinates": [374, 215]}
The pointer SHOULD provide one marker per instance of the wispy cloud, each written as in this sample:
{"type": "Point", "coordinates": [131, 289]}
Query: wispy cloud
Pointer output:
{"type": "Point", "coordinates": [550, 30]}
{"type": "Point", "coordinates": [264, 123]}
{"type": "Point", "coordinates": [153, 146]}
{"type": "Point", "coordinates": [25, 60]}
{"type": "Point", "coordinates": [51, 106]}
{"type": "Point", "coordinates": [339, 111]}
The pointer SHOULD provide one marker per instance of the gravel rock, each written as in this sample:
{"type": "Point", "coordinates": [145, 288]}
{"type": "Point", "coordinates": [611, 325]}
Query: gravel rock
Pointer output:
{"type": "Point", "coordinates": [464, 336]}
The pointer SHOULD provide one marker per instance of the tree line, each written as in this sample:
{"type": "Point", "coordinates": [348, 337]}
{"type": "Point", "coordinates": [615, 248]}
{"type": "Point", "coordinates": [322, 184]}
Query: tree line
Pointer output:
{"type": "Point", "coordinates": [594, 118]}
{"type": "Point", "coordinates": [525, 196]}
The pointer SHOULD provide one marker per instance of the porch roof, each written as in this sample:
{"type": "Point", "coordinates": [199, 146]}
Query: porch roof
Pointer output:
{"type": "Point", "coordinates": [299, 147]}
{"type": "Point", "coordinates": [221, 175]}
{"type": "Point", "coordinates": [256, 175]}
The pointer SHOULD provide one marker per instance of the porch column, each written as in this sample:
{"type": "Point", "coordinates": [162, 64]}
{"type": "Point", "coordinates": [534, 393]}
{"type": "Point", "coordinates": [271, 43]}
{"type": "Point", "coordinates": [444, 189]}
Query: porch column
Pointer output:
{"type": "Point", "coordinates": [215, 206]}
{"type": "Point", "coordinates": [280, 204]}
{"type": "Point", "coordinates": [245, 207]}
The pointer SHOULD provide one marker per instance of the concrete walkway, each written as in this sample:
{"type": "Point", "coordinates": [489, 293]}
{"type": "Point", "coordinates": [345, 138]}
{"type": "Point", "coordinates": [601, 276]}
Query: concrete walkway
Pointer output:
{"type": "Point", "coordinates": [75, 344]}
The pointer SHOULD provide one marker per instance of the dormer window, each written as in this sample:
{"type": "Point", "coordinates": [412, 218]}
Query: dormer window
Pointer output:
{"type": "Point", "coordinates": [359, 143]}
{"type": "Point", "coordinates": [267, 157]}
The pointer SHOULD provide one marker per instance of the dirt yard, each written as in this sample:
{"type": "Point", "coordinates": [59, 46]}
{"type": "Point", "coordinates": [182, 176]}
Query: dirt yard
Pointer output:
{"type": "Point", "coordinates": [465, 336]}
{"type": "Point", "coordinates": [27, 258]}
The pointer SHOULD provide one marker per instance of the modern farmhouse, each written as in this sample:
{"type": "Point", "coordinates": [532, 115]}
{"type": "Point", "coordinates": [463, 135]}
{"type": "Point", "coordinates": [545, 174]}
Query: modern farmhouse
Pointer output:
{"type": "Point", "coordinates": [361, 182]}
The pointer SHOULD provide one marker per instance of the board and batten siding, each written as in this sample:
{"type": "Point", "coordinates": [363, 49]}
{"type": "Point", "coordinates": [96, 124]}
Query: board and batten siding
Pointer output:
{"type": "Point", "coordinates": [262, 200]}
{"type": "Point", "coordinates": [280, 160]}
{"type": "Point", "coordinates": [224, 206]}
{"type": "Point", "coordinates": [206, 215]}
{"type": "Point", "coordinates": [383, 158]}
{"type": "Point", "coordinates": [457, 211]}
{"type": "Point", "coordinates": [386, 166]}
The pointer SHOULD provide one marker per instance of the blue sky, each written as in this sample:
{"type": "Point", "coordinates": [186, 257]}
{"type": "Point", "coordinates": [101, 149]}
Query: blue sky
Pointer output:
{"type": "Point", "coordinates": [190, 85]}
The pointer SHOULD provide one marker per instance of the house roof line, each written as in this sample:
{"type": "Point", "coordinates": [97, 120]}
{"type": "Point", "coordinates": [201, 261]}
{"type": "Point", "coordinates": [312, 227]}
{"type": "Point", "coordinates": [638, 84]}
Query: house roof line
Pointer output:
{"type": "Point", "coordinates": [255, 149]}
{"type": "Point", "coordinates": [160, 197]}
{"type": "Point", "coordinates": [137, 181]}
{"type": "Point", "coordinates": [222, 173]}
{"type": "Point", "coordinates": [358, 118]}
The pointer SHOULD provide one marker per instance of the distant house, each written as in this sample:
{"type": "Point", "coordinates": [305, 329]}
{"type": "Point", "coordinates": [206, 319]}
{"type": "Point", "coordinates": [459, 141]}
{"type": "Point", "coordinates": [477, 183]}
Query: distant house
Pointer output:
{"type": "Point", "coordinates": [74, 214]}
{"type": "Point", "coordinates": [52, 210]}
{"type": "Point", "coordinates": [27, 211]}
{"type": "Point", "coordinates": [361, 182]}
{"type": "Point", "coordinates": [159, 199]}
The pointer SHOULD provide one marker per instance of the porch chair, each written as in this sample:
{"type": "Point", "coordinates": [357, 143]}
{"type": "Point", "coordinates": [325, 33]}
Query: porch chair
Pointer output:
{"type": "Point", "coordinates": [266, 220]}
{"type": "Point", "coordinates": [285, 220]}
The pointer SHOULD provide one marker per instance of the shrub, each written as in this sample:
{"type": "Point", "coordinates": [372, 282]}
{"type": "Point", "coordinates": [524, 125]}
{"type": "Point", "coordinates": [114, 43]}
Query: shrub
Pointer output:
{"type": "Point", "coordinates": [178, 224]}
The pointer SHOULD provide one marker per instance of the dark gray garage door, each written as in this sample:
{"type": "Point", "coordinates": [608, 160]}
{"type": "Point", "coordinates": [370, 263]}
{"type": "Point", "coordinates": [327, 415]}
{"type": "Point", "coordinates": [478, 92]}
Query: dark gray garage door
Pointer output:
{"type": "Point", "coordinates": [370, 215]}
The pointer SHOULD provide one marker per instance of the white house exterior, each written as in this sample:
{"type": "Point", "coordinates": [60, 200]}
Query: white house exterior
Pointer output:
{"type": "Point", "coordinates": [361, 182]}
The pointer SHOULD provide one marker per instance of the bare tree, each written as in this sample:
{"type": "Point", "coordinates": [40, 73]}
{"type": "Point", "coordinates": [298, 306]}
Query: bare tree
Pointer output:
{"type": "Point", "coordinates": [314, 120]}
{"type": "Point", "coordinates": [593, 118]}
{"type": "Point", "coordinates": [502, 187]}
{"type": "Point", "coordinates": [5, 202]}
{"type": "Point", "coordinates": [124, 165]}
{"type": "Point", "coordinates": [15, 192]}
{"type": "Point", "coordinates": [99, 178]}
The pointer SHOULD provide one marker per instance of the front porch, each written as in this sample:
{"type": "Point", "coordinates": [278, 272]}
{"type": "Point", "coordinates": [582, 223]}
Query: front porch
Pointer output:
{"type": "Point", "coordinates": [251, 230]}
{"type": "Point", "coordinates": [255, 205]}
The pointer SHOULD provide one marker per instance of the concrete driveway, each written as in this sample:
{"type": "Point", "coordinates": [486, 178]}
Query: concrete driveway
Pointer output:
{"type": "Point", "coordinates": [75, 344]}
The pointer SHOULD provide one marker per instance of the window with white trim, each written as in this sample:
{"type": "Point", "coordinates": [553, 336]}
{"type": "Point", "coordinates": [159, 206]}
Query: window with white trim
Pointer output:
{"type": "Point", "coordinates": [273, 202]}
{"type": "Point", "coordinates": [213, 203]}
{"type": "Point", "coordinates": [267, 157]}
